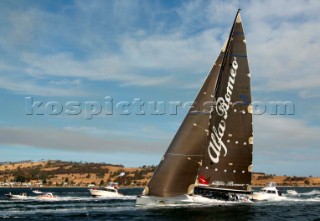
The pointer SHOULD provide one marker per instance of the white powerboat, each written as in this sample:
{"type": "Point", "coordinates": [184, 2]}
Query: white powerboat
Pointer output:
{"type": "Point", "coordinates": [17, 197]}
{"type": "Point", "coordinates": [268, 193]}
{"type": "Point", "coordinates": [111, 190]}
{"type": "Point", "coordinates": [36, 191]}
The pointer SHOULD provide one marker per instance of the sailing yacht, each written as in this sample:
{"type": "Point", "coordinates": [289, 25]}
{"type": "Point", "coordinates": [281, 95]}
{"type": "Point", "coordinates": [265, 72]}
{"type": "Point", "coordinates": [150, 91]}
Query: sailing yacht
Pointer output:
{"type": "Point", "coordinates": [210, 158]}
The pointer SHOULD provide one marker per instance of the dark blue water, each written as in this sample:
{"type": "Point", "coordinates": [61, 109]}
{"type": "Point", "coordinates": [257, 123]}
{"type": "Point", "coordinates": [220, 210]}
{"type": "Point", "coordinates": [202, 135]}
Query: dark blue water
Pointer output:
{"type": "Point", "coordinates": [77, 204]}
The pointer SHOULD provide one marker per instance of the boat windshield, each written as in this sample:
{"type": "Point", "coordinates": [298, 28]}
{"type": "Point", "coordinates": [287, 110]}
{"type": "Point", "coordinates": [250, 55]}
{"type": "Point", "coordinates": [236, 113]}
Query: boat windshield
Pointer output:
{"type": "Point", "coordinates": [111, 190]}
{"type": "Point", "coordinates": [271, 184]}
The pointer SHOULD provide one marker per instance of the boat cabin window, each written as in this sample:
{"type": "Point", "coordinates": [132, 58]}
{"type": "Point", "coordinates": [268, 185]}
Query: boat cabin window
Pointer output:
{"type": "Point", "coordinates": [271, 191]}
{"type": "Point", "coordinates": [110, 190]}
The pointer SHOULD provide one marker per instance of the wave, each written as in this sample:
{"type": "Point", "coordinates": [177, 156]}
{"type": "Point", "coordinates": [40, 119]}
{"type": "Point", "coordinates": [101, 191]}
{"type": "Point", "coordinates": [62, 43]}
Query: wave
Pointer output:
{"type": "Point", "coordinates": [315, 199]}
{"type": "Point", "coordinates": [69, 198]}
{"type": "Point", "coordinates": [313, 192]}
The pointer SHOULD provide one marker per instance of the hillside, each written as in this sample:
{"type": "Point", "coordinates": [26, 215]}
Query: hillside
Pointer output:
{"type": "Point", "coordinates": [261, 179]}
{"type": "Point", "coordinates": [61, 173]}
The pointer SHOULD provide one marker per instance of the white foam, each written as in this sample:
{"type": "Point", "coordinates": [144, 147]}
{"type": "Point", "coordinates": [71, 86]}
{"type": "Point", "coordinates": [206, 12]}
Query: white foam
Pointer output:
{"type": "Point", "coordinates": [313, 192]}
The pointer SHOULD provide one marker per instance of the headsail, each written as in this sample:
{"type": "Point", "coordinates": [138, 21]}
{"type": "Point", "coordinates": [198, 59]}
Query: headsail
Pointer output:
{"type": "Point", "coordinates": [227, 160]}
{"type": "Point", "coordinates": [178, 169]}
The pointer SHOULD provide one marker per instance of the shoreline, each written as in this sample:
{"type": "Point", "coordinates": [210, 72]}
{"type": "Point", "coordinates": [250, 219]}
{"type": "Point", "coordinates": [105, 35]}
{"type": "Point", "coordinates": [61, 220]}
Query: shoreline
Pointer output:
{"type": "Point", "coordinates": [126, 187]}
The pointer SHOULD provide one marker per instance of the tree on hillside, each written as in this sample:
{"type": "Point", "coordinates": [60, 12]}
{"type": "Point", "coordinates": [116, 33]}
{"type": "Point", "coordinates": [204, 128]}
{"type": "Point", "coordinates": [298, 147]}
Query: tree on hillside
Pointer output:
{"type": "Point", "coordinates": [21, 179]}
{"type": "Point", "coordinates": [100, 174]}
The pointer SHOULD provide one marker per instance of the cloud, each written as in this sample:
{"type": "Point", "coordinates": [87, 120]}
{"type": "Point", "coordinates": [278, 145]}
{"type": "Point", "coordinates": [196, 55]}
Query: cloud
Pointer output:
{"type": "Point", "coordinates": [285, 141]}
{"type": "Point", "coordinates": [309, 93]}
{"type": "Point", "coordinates": [47, 88]}
{"type": "Point", "coordinates": [283, 45]}
{"type": "Point", "coordinates": [279, 128]}
{"type": "Point", "coordinates": [81, 139]}
{"type": "Point", "coordinates": [115, 42]}
{"type": "Point", "coordinates": [43, 44]}
{"type": "Point", "coordinates": [103, 68]}
{"type": "Point", "coordinates": [145, 132]}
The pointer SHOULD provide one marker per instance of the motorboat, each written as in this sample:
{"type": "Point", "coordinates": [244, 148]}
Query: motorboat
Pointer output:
{"type": "Point", "coordinates": [110, 190]}
{"type": "Point", "coordinates": [292, 192]}
{"type": "Point", "coordinates": [48, 196]}
{"type": "Point", "coordinates": [268, 193]}
{"type": "Point", "coordinates": [17, 197]}
{"type": "Point", "coordinates": [36, 191]}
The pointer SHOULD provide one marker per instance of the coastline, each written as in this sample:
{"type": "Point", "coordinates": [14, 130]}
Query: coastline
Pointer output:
{"type": "Point", "coordinates": [125, 187]}
{"type": "Point", "coordinates": [62, 174]}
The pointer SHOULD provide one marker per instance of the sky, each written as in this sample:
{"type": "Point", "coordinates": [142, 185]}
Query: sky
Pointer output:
{"type": "Point", "coordinates": [74, 76]}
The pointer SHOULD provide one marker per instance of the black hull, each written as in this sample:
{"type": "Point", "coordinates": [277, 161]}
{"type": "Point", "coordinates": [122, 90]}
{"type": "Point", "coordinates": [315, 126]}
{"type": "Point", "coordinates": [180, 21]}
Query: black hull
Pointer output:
{"type": "Point", "coordinates": [220, 194]}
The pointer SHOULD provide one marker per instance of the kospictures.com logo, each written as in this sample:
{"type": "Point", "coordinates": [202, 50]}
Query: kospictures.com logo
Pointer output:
{"type": "Point", "coordinates": [138, 106]}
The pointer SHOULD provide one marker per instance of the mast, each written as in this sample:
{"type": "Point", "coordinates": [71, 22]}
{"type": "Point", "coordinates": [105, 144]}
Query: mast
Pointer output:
{"type": "Point", "coordinates": [227, 160]}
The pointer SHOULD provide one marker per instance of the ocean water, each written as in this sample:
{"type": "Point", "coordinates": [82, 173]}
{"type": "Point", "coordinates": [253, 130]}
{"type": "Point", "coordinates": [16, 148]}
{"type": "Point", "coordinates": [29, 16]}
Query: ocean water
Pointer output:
{"type": "Point", "coordinates": [77, 204]}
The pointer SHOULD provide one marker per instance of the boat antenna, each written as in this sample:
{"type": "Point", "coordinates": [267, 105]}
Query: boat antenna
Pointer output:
{"type": "Point", "coordinates": [239, 5]}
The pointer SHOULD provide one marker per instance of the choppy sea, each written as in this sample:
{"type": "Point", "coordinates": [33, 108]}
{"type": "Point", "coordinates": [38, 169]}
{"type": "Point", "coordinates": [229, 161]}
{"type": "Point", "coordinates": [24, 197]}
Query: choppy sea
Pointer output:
{"type": "Point", "coordinates": [77, 204]}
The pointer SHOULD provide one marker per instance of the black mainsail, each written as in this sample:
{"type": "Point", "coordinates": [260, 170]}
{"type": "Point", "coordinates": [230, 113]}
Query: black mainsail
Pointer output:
{"type": "Point", "coordinates": [213, 141]}
{"type": "Point", "coordinates": [227, 161]}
